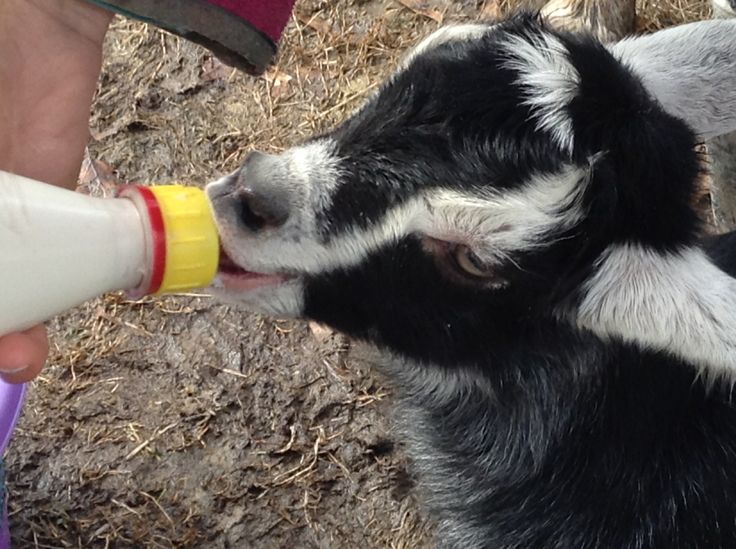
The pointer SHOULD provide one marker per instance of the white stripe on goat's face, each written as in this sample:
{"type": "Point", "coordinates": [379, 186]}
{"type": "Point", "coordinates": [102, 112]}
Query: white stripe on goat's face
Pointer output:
{"type": "Point", "coordinates": [494, 225]}
{"type": "Point", "coordinates": [549, 80]}
{"type": "Point", "coordinates": [499, 225]}
{"type": "Point", "coordinates": [547, 77]}
{"type": "Point", "coordinates": [469, 201]}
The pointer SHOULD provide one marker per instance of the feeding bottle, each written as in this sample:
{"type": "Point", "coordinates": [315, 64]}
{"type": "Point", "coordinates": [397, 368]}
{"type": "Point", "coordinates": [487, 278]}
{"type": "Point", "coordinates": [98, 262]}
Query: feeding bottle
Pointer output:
{"type": "Point", "coordinates": [59, 248]}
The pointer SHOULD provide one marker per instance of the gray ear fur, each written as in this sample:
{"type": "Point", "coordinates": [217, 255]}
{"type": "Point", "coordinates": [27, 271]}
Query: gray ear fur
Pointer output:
{"type": "Point", "coordinates": [690, 70]}
{"type": "Point", "coordinates": [724, 8]}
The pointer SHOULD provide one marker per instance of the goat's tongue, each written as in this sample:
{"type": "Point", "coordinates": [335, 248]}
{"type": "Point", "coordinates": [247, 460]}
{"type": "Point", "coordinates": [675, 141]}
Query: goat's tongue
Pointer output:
{"type": "Point", "coordinates": [236, 278]}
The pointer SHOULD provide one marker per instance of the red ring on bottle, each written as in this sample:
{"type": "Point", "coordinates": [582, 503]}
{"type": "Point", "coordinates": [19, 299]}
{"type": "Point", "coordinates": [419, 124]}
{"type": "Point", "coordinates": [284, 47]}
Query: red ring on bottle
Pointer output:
{"type": "Point", "coordinates": [158, 238]}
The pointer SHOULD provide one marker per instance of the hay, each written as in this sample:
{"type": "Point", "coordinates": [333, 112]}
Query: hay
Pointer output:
{"type": "Point", "coordinates": [653, 15]}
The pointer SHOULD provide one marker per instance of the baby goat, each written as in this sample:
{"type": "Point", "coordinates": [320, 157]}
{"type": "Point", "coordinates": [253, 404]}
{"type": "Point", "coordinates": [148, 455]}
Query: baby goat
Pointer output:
{"type": "Point", "coordinates": [510, 220]}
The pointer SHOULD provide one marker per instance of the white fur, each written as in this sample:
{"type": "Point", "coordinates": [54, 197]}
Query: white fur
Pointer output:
{"type": "Point", "coordinates": [690, 70]}
{"type": "Point", "coordinates": [495, 226]}
{"type": "Point", "coordinates": [550, 82]}
{"type": "Point", "coordinates": [507, 222]}
{"type": "Point", "coordinates": [314, 167]}
{"type": "Point", "coordinates": [676, 303]}
{"type": "Point", "coordinates": [445, 35]}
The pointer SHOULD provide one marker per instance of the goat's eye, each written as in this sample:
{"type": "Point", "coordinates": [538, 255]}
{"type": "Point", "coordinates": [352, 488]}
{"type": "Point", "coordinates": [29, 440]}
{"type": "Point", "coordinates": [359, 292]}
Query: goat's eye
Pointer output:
{"type": "Point", "coordinates": [469, 263]}
{"type": "Point", "coordinates": [461, 265]}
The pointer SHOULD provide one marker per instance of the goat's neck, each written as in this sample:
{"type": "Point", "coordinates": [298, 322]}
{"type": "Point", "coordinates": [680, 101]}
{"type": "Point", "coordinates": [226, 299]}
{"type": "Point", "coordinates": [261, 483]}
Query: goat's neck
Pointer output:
{"type": "Point", "coordinates": [529, 435]}
{"type": "Point", "coordinates": [520, 396]}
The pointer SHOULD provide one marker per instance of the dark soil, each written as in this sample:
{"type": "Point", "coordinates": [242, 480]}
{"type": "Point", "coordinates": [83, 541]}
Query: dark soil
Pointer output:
{"type": "Point", "coordinates": [201, 426]}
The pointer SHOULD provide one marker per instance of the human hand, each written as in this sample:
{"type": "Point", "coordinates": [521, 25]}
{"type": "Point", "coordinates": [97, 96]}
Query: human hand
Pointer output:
{"type": "Point", "coordinates": [50, 59]}
{"type": "Point", "coordinates": [23, 355]}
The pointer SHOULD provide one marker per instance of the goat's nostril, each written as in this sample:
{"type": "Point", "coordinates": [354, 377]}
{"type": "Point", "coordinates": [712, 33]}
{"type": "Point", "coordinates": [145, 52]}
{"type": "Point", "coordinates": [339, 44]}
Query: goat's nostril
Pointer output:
{"type": "Point", "coordinates": [259, 212]}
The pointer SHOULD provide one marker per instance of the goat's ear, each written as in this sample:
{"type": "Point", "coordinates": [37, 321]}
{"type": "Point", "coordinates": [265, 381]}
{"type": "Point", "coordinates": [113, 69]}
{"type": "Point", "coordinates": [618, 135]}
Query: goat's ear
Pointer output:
{"type": "Point", "coordinates": [681, 303]}
{"type": "Point", "coordinates": [690, 70]}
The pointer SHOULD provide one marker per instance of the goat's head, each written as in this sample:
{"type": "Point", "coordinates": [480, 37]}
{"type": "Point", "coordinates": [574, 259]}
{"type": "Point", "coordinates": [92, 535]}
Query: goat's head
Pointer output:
{"type": "Point", "coordinates": [469, 200]}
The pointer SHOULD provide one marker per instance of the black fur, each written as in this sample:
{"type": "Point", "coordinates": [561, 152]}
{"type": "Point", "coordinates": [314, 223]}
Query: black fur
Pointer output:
{"type": "Point", "coordinates": [453, 119]}
{"type": "Point", "coordinates": [527, 432]}
{"type": "Point", "coordinates": [456, 118]}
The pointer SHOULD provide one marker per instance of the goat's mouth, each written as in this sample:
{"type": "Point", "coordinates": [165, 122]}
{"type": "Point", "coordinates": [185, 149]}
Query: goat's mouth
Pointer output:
{"type": "Point", "coordinates": [234, 278]}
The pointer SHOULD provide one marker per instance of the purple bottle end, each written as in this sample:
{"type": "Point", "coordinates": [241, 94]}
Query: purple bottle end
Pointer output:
{"type": "Point", "coordinates": [11, 405]}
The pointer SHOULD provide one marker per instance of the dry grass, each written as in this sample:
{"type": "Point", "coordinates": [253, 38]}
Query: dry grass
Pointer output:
{"type": "Point", "coordinates": [651, 14]}
{"type": "Point", "coordinates": [659, 14]}
{"type": "Point", "coordinates": [185, 106]}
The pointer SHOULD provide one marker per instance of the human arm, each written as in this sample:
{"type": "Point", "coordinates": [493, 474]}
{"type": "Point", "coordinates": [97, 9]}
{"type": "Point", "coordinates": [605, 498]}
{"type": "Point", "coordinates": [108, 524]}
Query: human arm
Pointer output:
{"type": "Point", "coordinates": [50, 58]}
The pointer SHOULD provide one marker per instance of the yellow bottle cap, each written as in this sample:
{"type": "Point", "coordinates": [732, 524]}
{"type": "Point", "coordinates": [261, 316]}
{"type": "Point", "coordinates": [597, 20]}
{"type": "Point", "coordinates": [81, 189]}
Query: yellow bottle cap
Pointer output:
{"type": "Point", "coordinates": [192, 244]}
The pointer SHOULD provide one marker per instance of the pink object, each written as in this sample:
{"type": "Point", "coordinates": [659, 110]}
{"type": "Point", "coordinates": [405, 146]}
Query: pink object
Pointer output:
{"type": "Point", "coordinates": [243, 33]}
{"type": "Point", "coordinates": [268, 16]}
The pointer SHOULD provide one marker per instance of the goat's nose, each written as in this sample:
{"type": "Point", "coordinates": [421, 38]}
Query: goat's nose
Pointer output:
{"type": "Point", "coordinates": [263, 200]}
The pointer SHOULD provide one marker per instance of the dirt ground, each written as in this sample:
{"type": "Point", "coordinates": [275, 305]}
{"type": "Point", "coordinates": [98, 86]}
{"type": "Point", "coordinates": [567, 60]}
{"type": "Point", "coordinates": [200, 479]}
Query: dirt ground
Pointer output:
{"type": "Point", "coordinates": [181, 422]}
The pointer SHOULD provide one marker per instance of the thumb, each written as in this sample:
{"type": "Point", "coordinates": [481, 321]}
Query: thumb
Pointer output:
{"type": "Point", "coordinates": [23, 354]}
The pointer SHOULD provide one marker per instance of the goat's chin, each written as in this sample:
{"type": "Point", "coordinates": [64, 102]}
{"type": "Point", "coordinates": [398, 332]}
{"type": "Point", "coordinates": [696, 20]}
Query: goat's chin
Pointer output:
{"type": "Point", "coordinates": [281, 300]}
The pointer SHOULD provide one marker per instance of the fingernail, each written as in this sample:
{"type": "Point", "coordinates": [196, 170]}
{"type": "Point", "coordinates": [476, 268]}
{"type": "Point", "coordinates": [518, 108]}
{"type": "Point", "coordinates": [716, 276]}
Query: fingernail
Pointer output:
{"type": "Point", "coordinates": [13, 371]}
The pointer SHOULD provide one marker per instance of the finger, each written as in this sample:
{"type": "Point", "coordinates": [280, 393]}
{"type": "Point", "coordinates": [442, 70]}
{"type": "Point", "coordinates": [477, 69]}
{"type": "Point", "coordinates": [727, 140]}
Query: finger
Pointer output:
{"type": "Point", "coordinates": [23, 354]}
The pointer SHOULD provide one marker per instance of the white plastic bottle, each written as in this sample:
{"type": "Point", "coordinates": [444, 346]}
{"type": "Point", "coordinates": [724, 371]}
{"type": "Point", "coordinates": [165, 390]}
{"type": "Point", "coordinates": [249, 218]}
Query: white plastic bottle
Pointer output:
{"type": "Point", "coordinates": [59, 248]}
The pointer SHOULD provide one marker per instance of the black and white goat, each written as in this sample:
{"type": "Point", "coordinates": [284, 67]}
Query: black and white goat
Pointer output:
{"type": "Point", "coordinates": [510, 220]}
